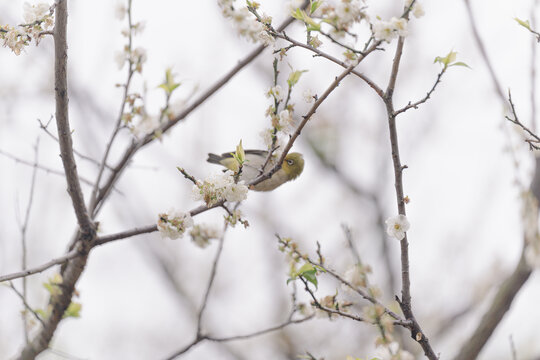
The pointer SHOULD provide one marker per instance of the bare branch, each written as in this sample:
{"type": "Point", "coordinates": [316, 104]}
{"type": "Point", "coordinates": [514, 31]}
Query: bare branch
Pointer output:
{"type": "Point", "coordinates": [40, 268]}
{"type": "Point", "coordinates": [23, 299]}
{"type": "Point", "coordinates": [493, 316]}
{"type": "Point", "coordinates": [41, 167]}
{"type": "Point", "coordinates": [124, 234]}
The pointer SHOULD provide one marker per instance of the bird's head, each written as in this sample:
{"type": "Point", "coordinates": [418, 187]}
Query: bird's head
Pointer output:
{"type": "Point", "coordinates": [293, 165]}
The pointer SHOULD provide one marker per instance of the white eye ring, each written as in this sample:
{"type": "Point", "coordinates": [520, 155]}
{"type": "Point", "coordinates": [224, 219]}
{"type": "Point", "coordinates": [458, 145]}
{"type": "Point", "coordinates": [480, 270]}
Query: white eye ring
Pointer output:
{"type": "Point", "coordinates": [290, 162]}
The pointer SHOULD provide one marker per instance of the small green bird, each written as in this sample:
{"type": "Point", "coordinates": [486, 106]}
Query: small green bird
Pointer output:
{"type": "Point", "coordinates": [292, 167]}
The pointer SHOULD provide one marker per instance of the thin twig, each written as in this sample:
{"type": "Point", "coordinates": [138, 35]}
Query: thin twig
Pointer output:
{"type": "Point", "coordinates": [44, 127]}
{"type": "Point", "coordinates": [535, 139]}
{"type": "Point", "coordinates": [124, 234]}
{"type": "Point", "coordinates": [210, 281]}
{"type": "Point", "coordinates": [260, 332]}
{"type": "Point", "coordinates": [320, 53]}
{"type": "Point", "coordinates": [40, 167]}
{"type": "Point", "coordinates": [25, 303]}
{"type": "Point", "coordinates": [24, 227]}
{"type": "Point", "coordinates": [405, 302]}
{"type": "Point", "coordinates": [60, 260]}
{"type": "Point", "coordinates": [425, 98]}
{"type": "Point", "coordinates": [92, 205]}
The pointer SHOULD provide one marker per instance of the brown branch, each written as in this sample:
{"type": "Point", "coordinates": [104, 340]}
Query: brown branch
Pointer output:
{"type": "Point", "coordinates": [23, 299]}
{"type": "Point", "coordinates": [405, 302]}
{"type": "Point", "coordinates": [41, 167]}
{"type": "Point", "coordinates": [425, 98]}
{"type": "Point", "coordinates": [60, 260]}
{"type": "Point", "coordinates": [320, 53]}
{"type": "Point", "coordinates": [124, 234]}
{"type": "Point", "coordinates": [535, 139]}
{"type": "Point", "coordinates": [499, 307]}
{"type": "Point", "coordinates": [131, 70]}
{"type": "Point", "coordinates": [44, 127]}
{"type": "Point", "coordinates": [73, 269]}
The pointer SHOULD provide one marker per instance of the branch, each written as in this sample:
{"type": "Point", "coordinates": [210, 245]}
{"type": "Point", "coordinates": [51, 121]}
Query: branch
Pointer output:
{"type": "Point", "coordinates": [23, 299]}
{"type": "Point", "coordinates": [535, 139]}
{"type": "Point", "coordinates": [320, 53]}
{"type": "Point", "coordinates": [425, 98]}
{"type": "Point", "coordinates": [210, 282]}
{"type": "Point", "coordinates": [40, 167]}
{"type": "Point", "coordinates": [60, 260]}
{"type": "Point", "coordinates": [493, 316]}
{"type": "Point", "coordinates": [260, 332]}
{"type": "Point", "coordinates": [123, 235]}
{"type": "Point", "coordinates": [405, 303]}
{"type": "Point", "coordinates": [73, 269]}
{"type": "Point", "coordinates": [62, 120]}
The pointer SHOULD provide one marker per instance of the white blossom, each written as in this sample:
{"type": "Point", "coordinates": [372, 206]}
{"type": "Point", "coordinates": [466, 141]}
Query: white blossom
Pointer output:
{"type": "Point", "coordinates": [32, 13]}
{"type": "Point", "coordinates": [276, 92]}
{"type": "Point", "coordinates": [286, 121]}
{"type": "Point", "coordinates": [266, 38]}
{"type": "Point", "coordinates": [308, 96]}
{"type": "Point", "coordinates": [120, 58]}
{"type": "Point", "coordinates": [139, 55]}
{"type": "Point", "coordinates": [393, 352]}
{"type": "Point", "coordinates": [418, 10]}
{"type": "Point", "coordinates": [388, 30]}
{"type": "Point", "coordinates": [400, 25]}
{"type": "Point", "coordinates": [201, 234]}
{"type": "Point", "coordinates": [174, 223]}
{"type": "Point", "coordinates": [120, 11]}
{"type": "Point", "coordinates": [356, 276]}
{"type": "Point", "coordinates": [384, 30]}
{"type": "Point", "coordinates": [219, 187]}
{"type": "Point", "coordinates": [147, 125]}
{"type": "Point", "coordinates": [397, 226]}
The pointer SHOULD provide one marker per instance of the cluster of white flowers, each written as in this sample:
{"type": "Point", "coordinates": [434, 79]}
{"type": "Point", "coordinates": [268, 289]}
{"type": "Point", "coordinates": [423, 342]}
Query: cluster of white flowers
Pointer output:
{"type": "Point", "coordinates": [286, 121]}
{"type": "Point", "coordinates": [276, 92]}
{"type": "Point", "coordinates": [417, 9]}
{"type": "Point", "coordinates": [37, 18]}
{"type": "Point", "coordinates": [393, 352]}
{"type": "Point", "coordinates": [397, 226]}
{"type": "Point", "coordinates": [245, 23]}
{"type": "Point", "coordinates": [137, 56]}
{"type": "Point", "coordinates": [174, 223]}
{"type": "Point", "coordinates": [342, 14]}
{"type": "Point", "coordinates": [356, 276]}
{"type": "Point", "coordinates": [388, 30]}
{"type": "Point", "coordinates": [220, 187]}
{"type": "Point", "coordinates": [201, 234]}
{"type": "Point", "coordinates": [147, 125]}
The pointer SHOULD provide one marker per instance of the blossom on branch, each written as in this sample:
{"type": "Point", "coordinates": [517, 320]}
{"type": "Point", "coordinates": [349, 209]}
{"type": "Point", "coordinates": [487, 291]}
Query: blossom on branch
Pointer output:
{"type": "Point", "coordinates": [397, 226]}
{"type": "Point", "coordinates": [174, 223]}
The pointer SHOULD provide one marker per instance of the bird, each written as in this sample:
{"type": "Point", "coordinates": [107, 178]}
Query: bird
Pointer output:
{"type": "Point", "coordinates": [292, 167]}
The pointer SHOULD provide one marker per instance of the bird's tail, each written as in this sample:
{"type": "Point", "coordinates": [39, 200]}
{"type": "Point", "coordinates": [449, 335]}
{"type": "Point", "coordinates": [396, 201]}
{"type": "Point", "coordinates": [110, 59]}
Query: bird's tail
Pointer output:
{"type": "Point", "coordinates": [214, 159]}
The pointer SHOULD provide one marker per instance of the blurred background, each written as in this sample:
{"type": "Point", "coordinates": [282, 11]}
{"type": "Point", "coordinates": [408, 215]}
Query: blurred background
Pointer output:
{"type": "Point", "coordinates": [140, 295]}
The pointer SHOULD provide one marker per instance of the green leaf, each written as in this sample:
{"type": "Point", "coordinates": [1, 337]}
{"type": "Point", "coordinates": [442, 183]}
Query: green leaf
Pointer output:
{"type": "Point", "coordinates": [460, 63]}
{"type": "Point", "coordinates": [525, 23]}
{"type": "Point", "coordinates": [169, 85]}
{"type": "Point", "coordinates": [314, 6]}
{"type": "Point", "coordinates": [294, 77]}
{"type": "Point", "coordinates": [73, 310]}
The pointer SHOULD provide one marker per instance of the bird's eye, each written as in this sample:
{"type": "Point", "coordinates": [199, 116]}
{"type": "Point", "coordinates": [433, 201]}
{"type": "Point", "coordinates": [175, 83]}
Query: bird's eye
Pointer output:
{"type": "Point", "coordinates": [290, 162]}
